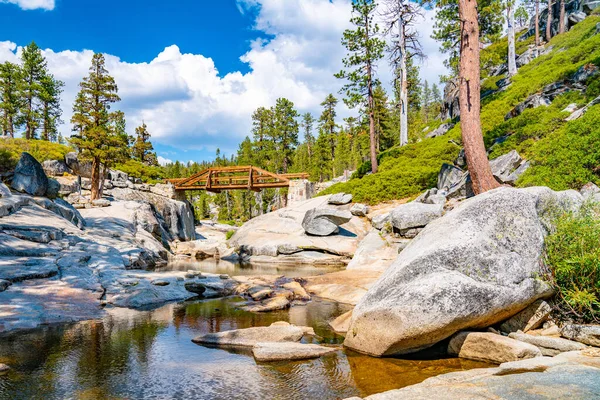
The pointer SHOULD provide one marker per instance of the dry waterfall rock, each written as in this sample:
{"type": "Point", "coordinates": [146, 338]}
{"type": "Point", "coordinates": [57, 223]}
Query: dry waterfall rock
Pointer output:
{"type": "Point", "coordinates": [472, 268]}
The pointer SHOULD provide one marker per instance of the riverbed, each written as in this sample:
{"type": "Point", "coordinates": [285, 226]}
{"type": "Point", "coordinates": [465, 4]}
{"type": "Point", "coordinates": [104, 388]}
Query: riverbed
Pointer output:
{"type": "Point", "coordinates": [132, 354]}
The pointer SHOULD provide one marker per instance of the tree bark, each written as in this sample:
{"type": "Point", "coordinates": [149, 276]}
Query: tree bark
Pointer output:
{"type": "Point", "coordinates": [537, 23]}
{"type": "Point", "coordinates": [561, 22]}
{"type": "Point", "coordinates": [403, 87]}
{"type": "Point", "coordinates": [512, 56]}
{"type": "Point", "coordinates": [549, 22]}
{"type": "Point", "coordinates": [469, 97]}
{"type": "Point", "coordinates": [371, 104]}
{"type": "Point", "coordinates": [95, 179]}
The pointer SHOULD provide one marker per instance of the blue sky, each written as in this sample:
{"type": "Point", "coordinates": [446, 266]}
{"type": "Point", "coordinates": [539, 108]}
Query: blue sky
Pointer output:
{"type": "Point", "coordinates": [194, 70]}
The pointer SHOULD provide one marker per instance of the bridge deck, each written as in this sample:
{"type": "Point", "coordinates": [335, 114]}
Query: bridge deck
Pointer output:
{"type": "Point", "coordinates": [235, 178]}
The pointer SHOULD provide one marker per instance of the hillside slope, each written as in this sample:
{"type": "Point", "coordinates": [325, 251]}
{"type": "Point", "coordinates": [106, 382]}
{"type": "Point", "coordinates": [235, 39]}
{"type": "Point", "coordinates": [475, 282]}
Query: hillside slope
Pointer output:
{"type": "Point", "coordinates": [563, 154]}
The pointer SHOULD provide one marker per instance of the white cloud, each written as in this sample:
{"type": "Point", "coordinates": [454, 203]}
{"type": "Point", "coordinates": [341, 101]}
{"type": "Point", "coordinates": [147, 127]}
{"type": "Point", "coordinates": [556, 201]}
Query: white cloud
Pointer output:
{"type": "Point", "coordinates": [187, 104]}
{"type": "Point", "coordinates": [32, 4]}
{"type": "Point", "coordinates": [164, 161]}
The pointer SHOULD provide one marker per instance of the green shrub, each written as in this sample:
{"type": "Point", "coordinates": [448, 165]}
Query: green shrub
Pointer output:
{"type": "Point", "coordinates": [147, 173]}
{"type": "Point", "coordinates": [573, 255]}
{"type": "Point", "coordinates": [229, 234]}
{"type": "Point", "coordinates": [41, 150]}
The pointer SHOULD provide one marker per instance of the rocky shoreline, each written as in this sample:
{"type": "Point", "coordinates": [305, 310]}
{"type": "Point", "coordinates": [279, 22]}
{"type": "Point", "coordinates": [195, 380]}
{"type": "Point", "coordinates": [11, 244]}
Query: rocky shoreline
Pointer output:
{"type": "Point", "coordinates": [438, 271]}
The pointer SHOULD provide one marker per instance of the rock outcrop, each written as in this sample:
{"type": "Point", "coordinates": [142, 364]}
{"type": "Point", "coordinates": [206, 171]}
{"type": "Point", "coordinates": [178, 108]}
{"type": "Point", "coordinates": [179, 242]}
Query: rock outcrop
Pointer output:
{"type": "Point", "coordinates": [29, 176]}
{"type": "Point", "coordinates": [476, 266]}
{"type": "Point", "coordinates": [280, 237]}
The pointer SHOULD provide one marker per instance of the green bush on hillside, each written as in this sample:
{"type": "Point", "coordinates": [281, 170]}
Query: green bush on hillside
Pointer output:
{"type": "Point", "coordinates": [573, 255]}
{"type": "Point", "coordinates": [41, 150]}
{"type": "Point", "coordinates": [405, 172]}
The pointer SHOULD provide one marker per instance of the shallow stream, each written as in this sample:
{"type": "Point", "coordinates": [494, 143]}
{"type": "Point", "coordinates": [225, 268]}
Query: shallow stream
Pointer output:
{"type": "Point", "coordinates": [149, 355]}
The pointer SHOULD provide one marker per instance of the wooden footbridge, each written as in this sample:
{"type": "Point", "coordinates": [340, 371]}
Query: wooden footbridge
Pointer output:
{"type": "Point", "coordinates": [218, 179]}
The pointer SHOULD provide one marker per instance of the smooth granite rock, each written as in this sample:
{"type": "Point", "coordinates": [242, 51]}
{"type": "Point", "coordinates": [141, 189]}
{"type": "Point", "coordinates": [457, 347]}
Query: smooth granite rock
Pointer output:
{"type": "Point", "coordinates": [490, 347]}
{"type": "Point", "coordinates": [472, 268]}
{"type": "Point", "coordinates": [288, 351]}
{"type": "Point", "coordinates": [251, 336]}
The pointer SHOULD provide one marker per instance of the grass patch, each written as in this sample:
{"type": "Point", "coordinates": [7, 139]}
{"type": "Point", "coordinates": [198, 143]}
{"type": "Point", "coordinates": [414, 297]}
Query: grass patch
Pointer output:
{"type": "Point", "coordinates": [573, 255]}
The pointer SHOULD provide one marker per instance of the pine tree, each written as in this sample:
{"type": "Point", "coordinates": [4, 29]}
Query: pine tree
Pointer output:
{"type": "Point", "coordinates": [307, 124]}
{"type": "Point", "coordinates": [365, 48]}
{"type": "Point", "coordinates": [96, 134]}
{"type": "Point", "coordinates": [447, 27]}
{"type": "Point", "coordinates": [34, 69]}
{"type": "Point", "coordinates": [327, 120]}
{"type": "Point", "coordinates": [385, 133]}
{"type": "Point", "coordinates": [343, 156]}
{"type": "Point", "coordinates": [414, 86]}
{"type": "Point", "coordinates": [143, 150]}
{"type": "Point", "coordinates": [426, 101]}
{"type": "Point", "coordinates": [521, 17]}
{"type": "Point", "coordinates": [10, 97]}
{"type": "Point", "coordinates": [262, 125]}
{"type": "Point", "coordinates": [50, 106]}
{"type": "Point", "coordinates": [436, 102]}
{"type": "Point", "coordinates": [322, 160]}
{"type": "Point", "coordinates": [245, 154]}
{"type": "Point", "coordinates": [285, 132]}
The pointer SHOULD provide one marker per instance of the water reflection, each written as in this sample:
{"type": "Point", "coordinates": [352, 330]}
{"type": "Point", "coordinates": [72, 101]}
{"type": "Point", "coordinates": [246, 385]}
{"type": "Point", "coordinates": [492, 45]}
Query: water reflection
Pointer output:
{"type": "Point", "coordinates": [149, 354]}
{"type": "Point", "coordinates": [213, 266]}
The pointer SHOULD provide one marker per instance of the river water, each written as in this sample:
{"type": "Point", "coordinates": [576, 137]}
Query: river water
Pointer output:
{"type": "Point", "coordinates": [149, 355]}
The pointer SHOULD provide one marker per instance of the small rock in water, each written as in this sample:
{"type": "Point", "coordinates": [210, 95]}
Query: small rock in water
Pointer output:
{"type": "Point", "coordinates": [4, 369]}
{"type": "Point", "coordinates": [4, 284]}
{"type": "Point", "coordinates": [288, 351]}
{"type": "Point", "coordinates": [272, 304]}
{"type": "Point", "coordinates": [223, 276]}
{"type": "Point", "coordinates": [277, 332]}
{"type": "Point", "coordinates": [193, 274]}
{"type": "Point", "coordinates": [195, 287]}
{"type": "Point", "coordinates": [160, 282]}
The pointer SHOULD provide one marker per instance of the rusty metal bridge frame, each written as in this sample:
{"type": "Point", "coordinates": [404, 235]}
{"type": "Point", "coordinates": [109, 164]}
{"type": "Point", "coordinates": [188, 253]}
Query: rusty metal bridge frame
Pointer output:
{"type": "Point", "coordinates": [218, 179]}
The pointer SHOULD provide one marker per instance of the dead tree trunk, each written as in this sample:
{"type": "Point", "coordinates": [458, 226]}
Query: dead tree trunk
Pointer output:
{"type": "Point", "coordinates": [512, 57]}
{"type": "Point", "coordinates": [479, 166]}
{"type": "Point", "coordinates": [561, 22]}
{"type": "Point", "coordinates": [549, 22]}
{"type": "Point", "coordinates": [403, 87]}
{"type": "Point", "coordinates": [537, 23]}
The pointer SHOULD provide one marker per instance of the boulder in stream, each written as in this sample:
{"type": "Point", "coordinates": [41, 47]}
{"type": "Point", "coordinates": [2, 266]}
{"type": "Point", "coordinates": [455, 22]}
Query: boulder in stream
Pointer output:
{"type": "Point", "coordinates": [288, 351]}
{"type": "Point", "coordinates": [472, 268]}
{"type": "Point", "coordinates": [277, 332]}
{"type": "Point", "coordinates": [324, 221]}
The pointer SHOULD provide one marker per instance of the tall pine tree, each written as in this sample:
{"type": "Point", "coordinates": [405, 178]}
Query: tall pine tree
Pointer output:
{"type": "Point", "coordinates": [34, 70]}
{"type": "Point", "coordinates": [285, 133]}
{"type": "Point", "coordinates": [143, 150]}
{"type": "Point", "coordinates": [97, 137]}
{"type": "Point", "coordinates": [50, 106]}
{"type": "Point", "coordinates": [365, 48]}
{"type": "Point", "coordinates": [10, 97]}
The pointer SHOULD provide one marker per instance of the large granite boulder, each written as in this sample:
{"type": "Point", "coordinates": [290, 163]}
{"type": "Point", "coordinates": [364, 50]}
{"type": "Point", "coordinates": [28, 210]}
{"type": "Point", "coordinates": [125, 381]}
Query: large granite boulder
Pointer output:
{"type": "Point", "coordinates": [476, 266]}
{"type": "Point", "coordinates": [55, 168]}
{"type": "Point", "coordinates": [79, 167]}
{"type": "Point", "coordinates": [415, 215]}
{"type": "Point", "coordinates": [29, 176]}
{"type": "Point", "coordinates": [490, 347]}
{"type": "Point", "coordinates": [324, 221]}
